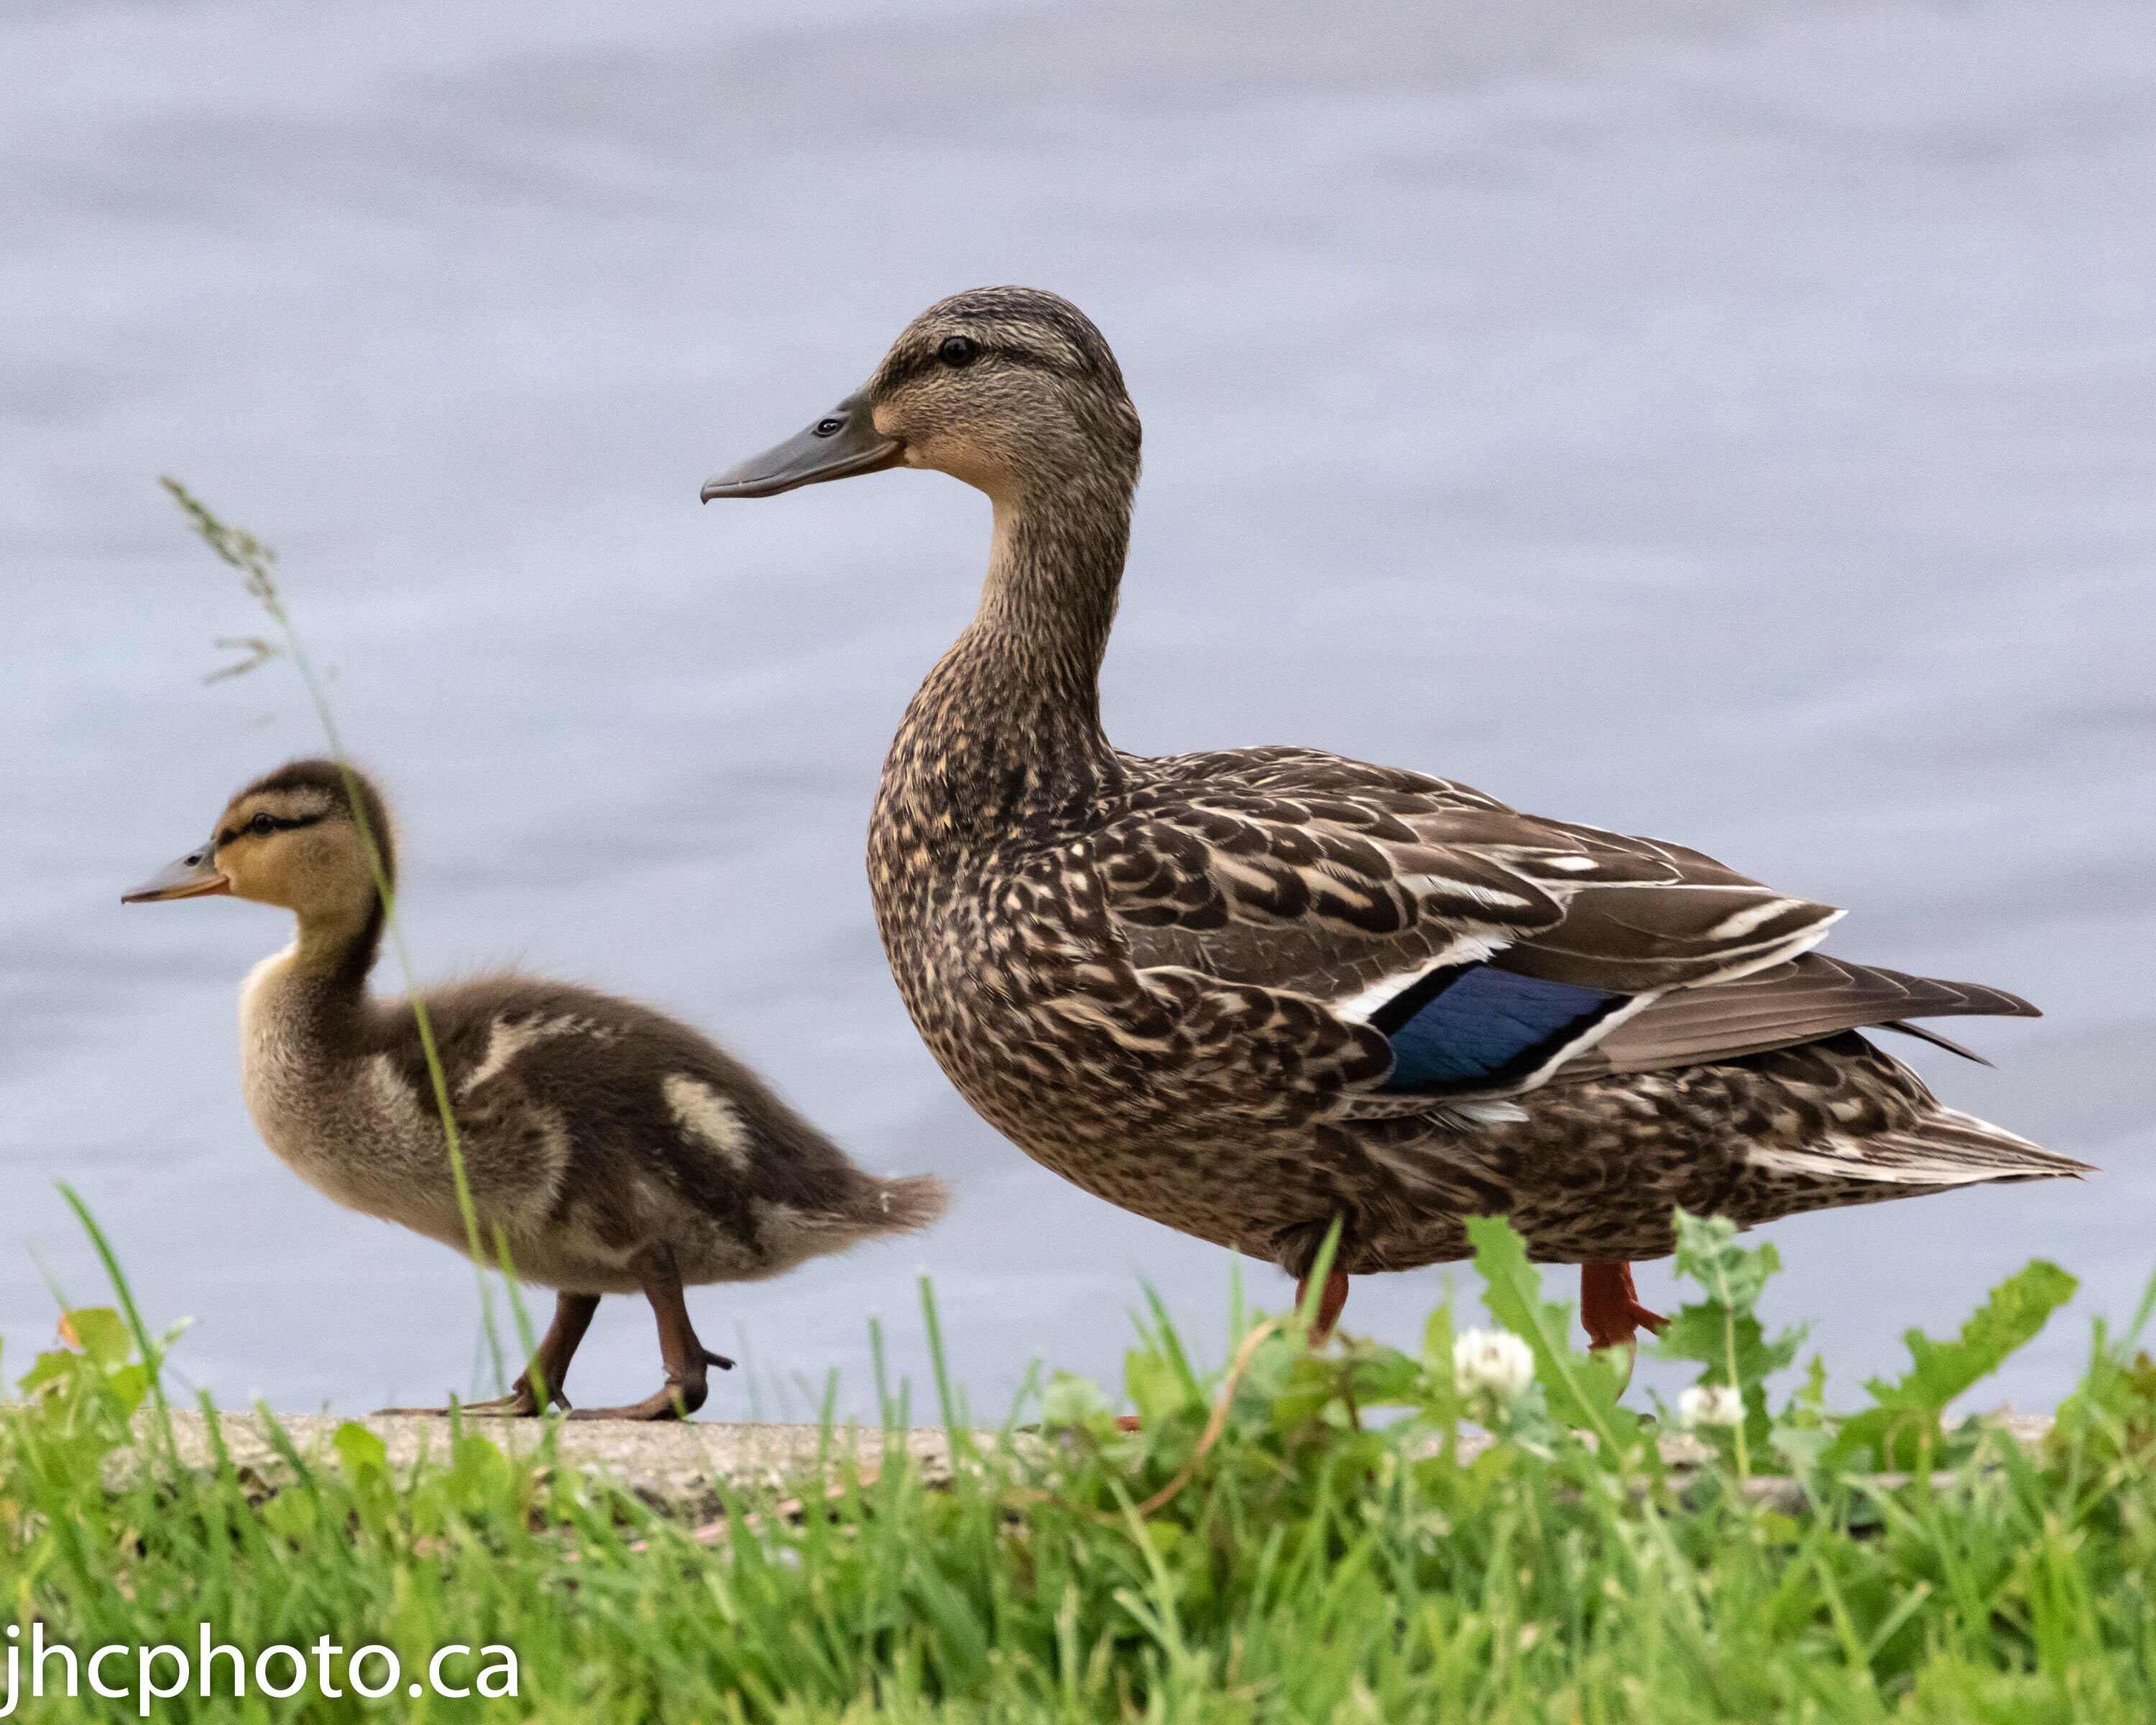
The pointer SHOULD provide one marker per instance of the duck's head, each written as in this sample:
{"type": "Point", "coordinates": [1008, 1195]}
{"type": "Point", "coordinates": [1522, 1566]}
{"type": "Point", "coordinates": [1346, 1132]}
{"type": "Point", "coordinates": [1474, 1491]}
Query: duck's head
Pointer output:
{"type": "Point", "coordinates": [290, 838]}
{"type": "Point", "coordinates": [1008, 388]}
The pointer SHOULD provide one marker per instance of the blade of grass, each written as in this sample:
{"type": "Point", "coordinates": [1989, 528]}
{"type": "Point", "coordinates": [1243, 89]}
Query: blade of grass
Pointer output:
{"type": "Point", "coordinates": [152, 1355]}
{"type": "Point", "coordinates": [255, 562]}
{"type": "Point", "coordinates": [936, 1357]}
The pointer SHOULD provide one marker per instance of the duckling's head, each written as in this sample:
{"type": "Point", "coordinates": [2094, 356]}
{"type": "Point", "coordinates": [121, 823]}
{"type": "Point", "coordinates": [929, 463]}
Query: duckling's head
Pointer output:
{"type": "Point", "coordinates": [290, 838]}
{"type": "Point", "coordinates": [1010, 389]}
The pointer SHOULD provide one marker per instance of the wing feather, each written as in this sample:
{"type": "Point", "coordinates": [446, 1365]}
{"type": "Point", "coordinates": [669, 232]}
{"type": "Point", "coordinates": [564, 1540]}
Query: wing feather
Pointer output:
{"type": "Point", "coordinates": [1810, 997]}
{"type": "Point", "coordinates": [1382, 875]}
{"type": "Point", "coordinates": [1353, 886]}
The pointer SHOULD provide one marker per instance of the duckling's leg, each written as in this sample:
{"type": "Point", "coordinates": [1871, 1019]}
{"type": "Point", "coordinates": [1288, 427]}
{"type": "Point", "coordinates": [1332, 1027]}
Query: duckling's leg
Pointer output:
{"type": "Point", "coordinates": [572, 1316]}
{"type": "Point", "coordinates": [1609, 1306]}
{"type": "Point", "coordinates": [1329, 1305]}
{"type": "Point", "coordinates": [684, 1356]}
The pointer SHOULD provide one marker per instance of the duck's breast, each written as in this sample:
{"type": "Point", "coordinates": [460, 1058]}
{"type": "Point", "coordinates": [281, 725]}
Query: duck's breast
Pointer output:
{"type": "Point", "coordinates": [348, 1123]}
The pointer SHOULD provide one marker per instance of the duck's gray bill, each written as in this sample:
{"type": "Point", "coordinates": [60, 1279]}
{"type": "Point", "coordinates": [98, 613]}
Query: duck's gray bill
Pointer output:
{"type": "Point", "coordinates": [842, 442]}
{"type": "Point", "coordinates": [192, 876]}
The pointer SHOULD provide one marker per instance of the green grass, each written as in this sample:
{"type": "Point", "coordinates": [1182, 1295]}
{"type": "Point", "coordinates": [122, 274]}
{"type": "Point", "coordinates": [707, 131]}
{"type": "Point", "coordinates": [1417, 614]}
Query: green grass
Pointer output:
{"type": "Point", "coordinates": [1332, 1555]}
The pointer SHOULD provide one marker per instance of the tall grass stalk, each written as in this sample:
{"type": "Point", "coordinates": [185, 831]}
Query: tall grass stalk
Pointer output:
{"type": "Point", "coordinates": [255, 562]}
{"type": "Point", "coordinates": [153, 1355]}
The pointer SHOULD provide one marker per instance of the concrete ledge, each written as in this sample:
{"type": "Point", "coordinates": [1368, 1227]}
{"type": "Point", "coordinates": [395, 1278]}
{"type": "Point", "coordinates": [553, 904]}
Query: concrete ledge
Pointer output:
{"type": "Point", "coordinates": [684, 1469]}
{"type": "Point", "coordinates": [679, 1467]}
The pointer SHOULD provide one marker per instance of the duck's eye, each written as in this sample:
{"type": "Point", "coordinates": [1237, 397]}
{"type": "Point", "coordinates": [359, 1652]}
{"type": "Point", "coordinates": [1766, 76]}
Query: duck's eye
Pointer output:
{"type": "Point", "coordinates": [262, 823]}
{"type": "Point", "coordinates": [958, 351]}
{"type": "Point", "coordinates": [830, 426]}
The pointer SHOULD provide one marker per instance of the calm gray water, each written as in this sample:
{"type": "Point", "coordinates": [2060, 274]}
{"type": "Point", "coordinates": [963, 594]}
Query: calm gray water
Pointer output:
{"type": "Point", "coordinates": [1741, 432]}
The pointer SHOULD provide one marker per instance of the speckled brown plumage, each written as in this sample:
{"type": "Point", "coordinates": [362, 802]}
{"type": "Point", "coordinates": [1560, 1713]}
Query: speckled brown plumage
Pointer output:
{"type": "Point", "coordinates": [1236, 992]}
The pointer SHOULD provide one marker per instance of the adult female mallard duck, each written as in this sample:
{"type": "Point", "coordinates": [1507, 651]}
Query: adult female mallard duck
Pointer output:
{"type": "Point", "coordinates": [618, 1150]}
{"type": "Point", "coordinates": [1252, 992]}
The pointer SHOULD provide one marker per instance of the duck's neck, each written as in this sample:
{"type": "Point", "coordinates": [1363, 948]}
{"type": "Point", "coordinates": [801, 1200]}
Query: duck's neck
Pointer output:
{"type": "Point", "coordinates": [1055, 568]}
{"type": "Point", "coordinates": [1007, 729]}
{"type": "Point", "coordinates": [324, 975]}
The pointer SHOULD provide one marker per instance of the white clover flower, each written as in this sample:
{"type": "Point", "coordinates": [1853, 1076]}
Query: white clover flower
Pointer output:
{"type": "Point", "coordinates": [1711, 1404]}
{"type": "Point", "coordinates": [1495, 1360]}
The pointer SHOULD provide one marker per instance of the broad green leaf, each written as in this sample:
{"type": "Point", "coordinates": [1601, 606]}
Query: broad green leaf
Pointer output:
{"type": "Point", "coordinates": [1163, 1340]}
{"type": "Point", "coordinates": [2009, 1319]}
{"type": "Point", "coordinates": [1905, 1417]}
{"type": "Point", "coordinates": [127, 1387]}
{"type": "Point", "coordinates": [1582, 1389]}
{"type": "Point", "coordinates": [479, 1472]}
{"type": "Point", "coordinates": [1437, 1342]}
{"type": "Point", "coordinates": [1160, 1391]}
{"type": "Point", "coordinates": [1267, 1373]}
{"type": "Point", "coordinates": [1801, 1445]}
{"type": "Point", "coordinates": [1072, 1400]}
{"type": "Point", "coordinates": [360, 1450]}
{"type": "Point", "coordinates": [1808, 1405]}
{"type": "Point", "coordinates": [1722, 1332]}
{"type": "Point", "coordinates": [1708, 1253]}
{"type": "Point", "coordinates": [99, 1331]}
{"type": "Point", "coordinates": [49, 1368]}
{"type": "Point", "coordinates": [1309, 1385]}
{"type": "Point", "coordinates": [1385, 1378]}
{"type": "Point", "coordinates": [1441, 1397]}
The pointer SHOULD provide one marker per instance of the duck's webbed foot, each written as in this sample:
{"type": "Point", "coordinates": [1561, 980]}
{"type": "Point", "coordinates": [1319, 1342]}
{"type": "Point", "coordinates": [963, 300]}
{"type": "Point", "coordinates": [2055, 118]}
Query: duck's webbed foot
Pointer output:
{"type": "Point", "coordinates": [550, 1365]}
{"type": "Point", "coordinates": [1610, 1306]}
{"type": "Point", "coordinates": [684, 1356]}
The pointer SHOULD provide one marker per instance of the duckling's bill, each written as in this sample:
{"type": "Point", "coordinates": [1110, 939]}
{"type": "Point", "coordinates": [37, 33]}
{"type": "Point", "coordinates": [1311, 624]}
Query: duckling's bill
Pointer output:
{"type": "Point", "coordinates": [842, 442]}
{"type": "Point", "coordinates": [194, 875]}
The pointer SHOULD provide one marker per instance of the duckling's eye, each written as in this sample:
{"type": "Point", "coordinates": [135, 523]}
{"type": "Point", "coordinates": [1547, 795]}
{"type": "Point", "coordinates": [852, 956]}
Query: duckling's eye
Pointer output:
{"type": "Point", "coordinates": [262, 823]}
{"type": "Point", "coordinates": [958, 351]}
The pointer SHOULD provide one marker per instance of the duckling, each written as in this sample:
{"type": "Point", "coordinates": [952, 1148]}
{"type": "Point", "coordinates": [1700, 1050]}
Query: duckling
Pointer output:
{"type": "Point", "coordinates": [617, 1150]}
{"type": "Point", "coordinates": [1253, 992]}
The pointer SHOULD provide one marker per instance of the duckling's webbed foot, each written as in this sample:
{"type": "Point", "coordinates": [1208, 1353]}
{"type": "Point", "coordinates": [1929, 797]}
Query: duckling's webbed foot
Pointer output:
{"type": "Point", "coordinates": [550, 1363]}
{"type": "Point", "coordinates": [522, 1402]}
{"type": "Point", "coordinates": [685, 1357]}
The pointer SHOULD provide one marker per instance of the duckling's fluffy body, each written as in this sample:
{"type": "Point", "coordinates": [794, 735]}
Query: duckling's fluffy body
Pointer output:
{"type": "Point", "coordinates": [589, 1127]}
{"type": "Point", "coordinates": [614, 1149]}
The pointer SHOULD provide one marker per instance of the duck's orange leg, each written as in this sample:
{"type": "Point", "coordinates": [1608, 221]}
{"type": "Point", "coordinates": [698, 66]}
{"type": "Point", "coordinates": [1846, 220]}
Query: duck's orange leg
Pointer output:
{"type": "Point", "coordinates": [1329, 1304]}
{"type": "Point", "coordinates": [1609, 1306]}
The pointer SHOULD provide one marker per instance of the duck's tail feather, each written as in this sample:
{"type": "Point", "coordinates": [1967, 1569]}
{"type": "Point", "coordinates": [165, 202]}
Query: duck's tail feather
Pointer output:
{"type": "Point", "coordinates": [1943, 1147]}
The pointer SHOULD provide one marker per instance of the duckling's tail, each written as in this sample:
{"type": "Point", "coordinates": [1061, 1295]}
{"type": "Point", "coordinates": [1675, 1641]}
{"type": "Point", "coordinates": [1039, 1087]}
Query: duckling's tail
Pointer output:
{"type": "Point", "coordinates": [905, 1205]}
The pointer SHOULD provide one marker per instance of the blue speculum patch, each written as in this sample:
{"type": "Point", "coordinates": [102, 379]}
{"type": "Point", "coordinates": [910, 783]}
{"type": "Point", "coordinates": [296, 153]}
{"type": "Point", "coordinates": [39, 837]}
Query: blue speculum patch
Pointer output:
{"type": "Point", "coordinates": [1472, 1025]}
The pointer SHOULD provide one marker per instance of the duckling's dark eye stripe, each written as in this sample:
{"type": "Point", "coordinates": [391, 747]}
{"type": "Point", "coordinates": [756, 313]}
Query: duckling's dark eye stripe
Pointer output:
{"type": "Point", "coordinates": [278, 824]}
